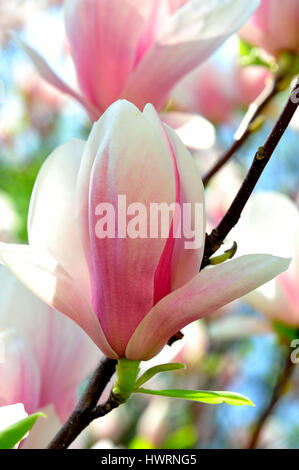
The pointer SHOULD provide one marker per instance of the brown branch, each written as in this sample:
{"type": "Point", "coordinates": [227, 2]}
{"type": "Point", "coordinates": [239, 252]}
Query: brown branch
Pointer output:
{"type": "Point", "coordinates": [244, 130]}
{"type": "Point", "coordinates": [281, 385]}
{"type": "Point", "coordinates": [85, 410]}
{"type": "Point", "coordinates": [261, 158]}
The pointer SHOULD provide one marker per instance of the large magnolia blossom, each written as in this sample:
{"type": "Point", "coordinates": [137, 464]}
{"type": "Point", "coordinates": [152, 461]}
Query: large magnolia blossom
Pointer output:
{"type": "Point", "coordinates": [139, 50]}
{"type": "Point", "coordinates": [129, 294]}
{"type": "Point", "coordinates": [271, 221]}
{"type": "Point", "coordinates": [37, 366]}
{"type": "Point", "coordinates": [274, 26]}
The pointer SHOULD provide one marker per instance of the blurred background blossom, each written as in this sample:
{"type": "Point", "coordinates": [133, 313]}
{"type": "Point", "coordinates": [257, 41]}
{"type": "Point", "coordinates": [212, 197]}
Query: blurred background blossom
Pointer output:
{"type": "Point", "coordinates": [238, 348]}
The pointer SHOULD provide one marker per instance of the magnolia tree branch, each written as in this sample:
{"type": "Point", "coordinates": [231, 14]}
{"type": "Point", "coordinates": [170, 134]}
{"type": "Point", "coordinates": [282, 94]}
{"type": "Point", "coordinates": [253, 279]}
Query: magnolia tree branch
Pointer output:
{"type": "Point", "coordinates": [281, 384]}
{"type": "Point", "coordinates": [246, 127]}
{"type": "Point", "coordinates": [87, 408]}
{"type": "Point", "coordinates": [261, 158]}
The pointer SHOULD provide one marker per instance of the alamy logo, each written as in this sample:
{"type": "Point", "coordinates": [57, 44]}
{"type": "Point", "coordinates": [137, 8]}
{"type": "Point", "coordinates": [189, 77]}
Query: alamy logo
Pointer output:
{"type": "Point", "coordinates": [158, 220]}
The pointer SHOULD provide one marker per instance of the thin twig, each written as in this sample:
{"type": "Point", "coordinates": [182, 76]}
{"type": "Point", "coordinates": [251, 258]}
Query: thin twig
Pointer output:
{"type": "Point", "coordinates": [279, 388]}
{"type": "Point", "coordinates": [244, 129]}
{"type": "Point", "coordinates": [84, 412]}
{"type": "Point", "coordinates": [261, 158]}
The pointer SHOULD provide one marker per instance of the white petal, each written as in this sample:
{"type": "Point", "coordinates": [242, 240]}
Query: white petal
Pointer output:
{"type": "Point", "coordinates": [52, 222]}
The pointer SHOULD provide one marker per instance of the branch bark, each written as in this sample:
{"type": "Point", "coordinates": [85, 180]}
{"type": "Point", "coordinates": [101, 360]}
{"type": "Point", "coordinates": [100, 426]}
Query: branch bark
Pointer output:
{"type": "Point", "coordinates": [261, 158]}
{"type": "Point", "coordinates": [244, 129]}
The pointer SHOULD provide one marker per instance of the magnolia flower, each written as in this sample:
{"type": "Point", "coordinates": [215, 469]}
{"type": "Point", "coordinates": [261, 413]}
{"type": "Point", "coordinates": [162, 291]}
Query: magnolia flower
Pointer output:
{"type": "Point", "coordinates": [38, 367]}
{"type": "Point", "coordinates": [139, 50]}
{"type": "Point", "coordinates": [129, 293]}
{"type": "Point", "coordinates": [274, 27]}
{"type": "Point", "coordinates": [271, 221]}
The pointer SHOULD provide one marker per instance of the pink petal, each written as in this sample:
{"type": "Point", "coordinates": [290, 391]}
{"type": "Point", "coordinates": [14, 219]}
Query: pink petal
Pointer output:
{"type": "Point", "coordinates": [156, 18]}
{"type": "Point", "coordinates": [186, 262]}
{"type": "Point", "coordinates": [106, 37]}
{"type": "Point", "coordinates": [132, 149]}
{"type": "Point", "coordinates": [50, 76]}
{"type": "Point", "coordinates": [211, 289]}
{"type": "Point", "coordinates": [189, 37]}
{"type": "Point", "coordinates": [61, 375]}
{"type": "Point", "coordinates": [163, 278]}
{"type": "Point", "coordinates": [49, 281]}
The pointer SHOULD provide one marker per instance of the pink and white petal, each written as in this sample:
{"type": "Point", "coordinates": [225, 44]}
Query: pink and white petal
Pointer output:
{"type": "Point", "coordinates": [104, 37]}
{"type": "Point", "coordinates": [97, 136]}
{"type": "Point", "coordinates": [50, 76]}
{"type": "Point", "coordinates": [211, 289]}
{"type": "Point", "coordinates": [52, 223]}
{"type": "Point", "coordinates": [133, 149]}
{"type": "Point", "coordinates": [186, 262]}
{"type": "Point", "coordinates": [189, 37]}
{"type": "Point", "coordinates": [156, 18]}
{"type": "Point", "coordinates": [19, 373]}
{"type": "Point", "coordinates": [58, 341]}
{"type": "Point", "coordinates": [61, 375]}
{"type": "Point", "coordinates": [163, 273]}
{"type": "Point", "coordinates": [43, 275]}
